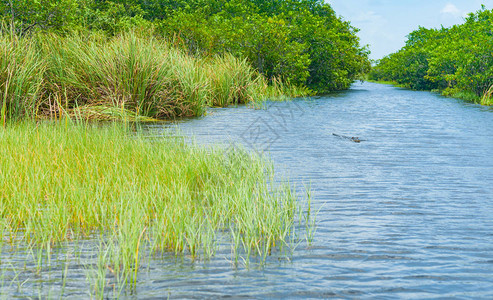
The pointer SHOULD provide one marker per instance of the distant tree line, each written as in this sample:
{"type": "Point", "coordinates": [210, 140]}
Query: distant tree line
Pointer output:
{"type": "Point", "coordinates": [302, 42]}
{"type": "Point", "coordinates": [456, 60]}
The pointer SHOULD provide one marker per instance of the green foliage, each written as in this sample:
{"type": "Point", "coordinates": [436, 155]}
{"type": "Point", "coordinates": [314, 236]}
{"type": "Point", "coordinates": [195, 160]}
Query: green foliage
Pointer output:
{"type": "Point", "coordinates": [143, 75]}
{"type": "Point", "coordinates": [21, 78]}
{"type": "Point", "coordinates": [336, 57]}
{"type": "Point", "coordinates": [232, 81]}
{"type": "Point", "coordinates": [25, 15]}
{"type": "Point", "coordinates": [264, 42]}
{"type": "Point", "coordinates": [456, 60]}
{"type": "Point", "coordinates": [111, 16]}
{"type": "Point", "coordinates": [409, 66]}
{"type": "Point", "coordinates": [93, 76]}
{"type": "Point", "coordinates": [140, 197]}
{"type": "Point", "coordinates": [301, 42]}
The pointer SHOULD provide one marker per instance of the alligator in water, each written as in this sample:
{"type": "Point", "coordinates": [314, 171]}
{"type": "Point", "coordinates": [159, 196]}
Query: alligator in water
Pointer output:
{"type": "Point", "coordinates": [351, 138]}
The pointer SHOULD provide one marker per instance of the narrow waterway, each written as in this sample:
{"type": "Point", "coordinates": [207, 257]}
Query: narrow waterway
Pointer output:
{"type": "Point", "coordinates": [407, 212]}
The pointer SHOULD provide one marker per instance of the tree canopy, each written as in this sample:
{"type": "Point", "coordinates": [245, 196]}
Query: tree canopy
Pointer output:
{"type": "Point", "coordinates": [455, 59]}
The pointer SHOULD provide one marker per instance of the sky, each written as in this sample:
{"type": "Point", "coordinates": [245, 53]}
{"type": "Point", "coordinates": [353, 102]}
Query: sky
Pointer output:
{"type": "Point", "coordinates": [384, 24]}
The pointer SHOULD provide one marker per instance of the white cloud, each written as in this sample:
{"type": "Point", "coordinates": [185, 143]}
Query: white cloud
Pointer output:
{"type": "Point", "coordinates": [451, 9]}
{"type": "Point", "coordinates": [370, 22]}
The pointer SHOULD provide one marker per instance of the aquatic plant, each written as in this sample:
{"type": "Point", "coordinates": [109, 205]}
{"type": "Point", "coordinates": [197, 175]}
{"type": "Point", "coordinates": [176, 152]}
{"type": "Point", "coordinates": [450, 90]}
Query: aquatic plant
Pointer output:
{"type": "Point", "coordinates": [21, 77]}
{"type": "Point", "coordinates": [145, 76]}
{"type": "Point", "coordinates": [65, 182]}
{"type": "Point", "coordinates": [487, 98]}
{"type": "Point", "coordinates": [129, 76]}
{"type": "Point", "coordinates": [232, 81]}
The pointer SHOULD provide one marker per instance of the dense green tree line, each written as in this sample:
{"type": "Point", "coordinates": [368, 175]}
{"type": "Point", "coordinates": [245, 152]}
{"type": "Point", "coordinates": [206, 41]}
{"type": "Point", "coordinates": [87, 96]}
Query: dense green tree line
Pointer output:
{"type": "Point", "coordinates": [302, 42]}
{"type": "Point", "coordinates": [456, 60]}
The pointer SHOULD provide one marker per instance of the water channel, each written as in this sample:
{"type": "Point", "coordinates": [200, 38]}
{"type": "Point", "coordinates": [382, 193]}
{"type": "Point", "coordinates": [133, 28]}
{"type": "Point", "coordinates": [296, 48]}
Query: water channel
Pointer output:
{"type": "Point", "coordinates": [405, 213]}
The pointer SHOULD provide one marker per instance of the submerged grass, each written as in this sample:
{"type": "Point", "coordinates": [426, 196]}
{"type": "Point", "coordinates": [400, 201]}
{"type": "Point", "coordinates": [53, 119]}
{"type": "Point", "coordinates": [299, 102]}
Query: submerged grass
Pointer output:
{"type": "Point", "coordinates": [74, 180]}
{"type": "Point", "coordinates": [68, 182]}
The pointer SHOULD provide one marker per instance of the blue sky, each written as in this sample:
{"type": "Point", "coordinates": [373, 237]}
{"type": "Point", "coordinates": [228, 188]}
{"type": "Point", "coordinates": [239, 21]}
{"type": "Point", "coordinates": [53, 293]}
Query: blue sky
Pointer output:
{"type": "Point", "coordinates": [384, 24]}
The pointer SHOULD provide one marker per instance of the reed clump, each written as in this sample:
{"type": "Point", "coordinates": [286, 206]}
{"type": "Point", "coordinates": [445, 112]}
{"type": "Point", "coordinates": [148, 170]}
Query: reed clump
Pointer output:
{"type": "Point", "coordinates": [48, 75]}
{"type": "Point", "coordinates": [68, 182]}
{"type": "Point", "coordinates": [487, 98]}
{"type": "Point", "coordinates": [143, 75]}
{"type": "Point", "coordinates": [233, 81]}
{"type": "Point", "coordinates": [21, 78]}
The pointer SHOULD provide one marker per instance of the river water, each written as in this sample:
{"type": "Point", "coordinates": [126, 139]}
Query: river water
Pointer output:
{"type": "Point", "coordinates": [405, 213]}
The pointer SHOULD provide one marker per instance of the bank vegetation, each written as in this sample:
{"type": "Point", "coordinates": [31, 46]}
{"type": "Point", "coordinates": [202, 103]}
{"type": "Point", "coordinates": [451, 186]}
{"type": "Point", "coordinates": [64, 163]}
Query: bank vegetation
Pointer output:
{"type": "Point", "coordinates": [456, 61]}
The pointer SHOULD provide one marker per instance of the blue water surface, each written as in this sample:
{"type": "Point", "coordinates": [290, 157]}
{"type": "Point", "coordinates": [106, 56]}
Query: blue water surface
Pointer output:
{"type": "Point", "coordinates": [406, 213]}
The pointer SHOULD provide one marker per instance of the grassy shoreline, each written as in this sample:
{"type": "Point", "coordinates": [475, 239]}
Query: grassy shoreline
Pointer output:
{"type": "Point", "coordinates": [92, 76]}
{"type": "Point", "coordinates": [66, 179]}
{"type": "Point", "coordinates": [68, 182]}
{"type": "Point", "coordinates": [486, 99]}
{"type": "Point", "coordinates": [386, 82]}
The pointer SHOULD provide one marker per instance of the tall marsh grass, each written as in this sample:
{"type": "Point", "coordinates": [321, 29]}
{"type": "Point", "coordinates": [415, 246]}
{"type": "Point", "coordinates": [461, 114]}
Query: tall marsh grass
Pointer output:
{"type": "Point", "coordinates": [233, 81]}
{"type": "Point", "coordinates": [487, 98]}
{"type": "Point", "coordinates": [48, 75]}
{"type": "Point", "coordinates": [21, 77]}
{"type": "Point", "coordinates": [144, 75]}
{"type": "Point", "coordinates": [68, 182]}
